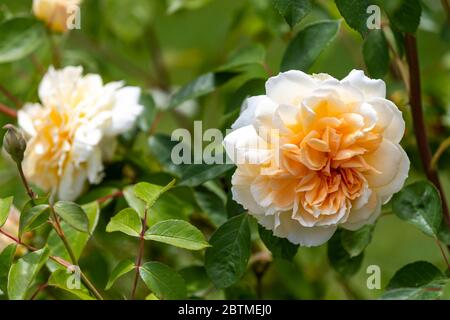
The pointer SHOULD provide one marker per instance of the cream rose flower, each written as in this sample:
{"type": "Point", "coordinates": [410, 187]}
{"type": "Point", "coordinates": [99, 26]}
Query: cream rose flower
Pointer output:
{"type": "Point", "coordinates": [73, 130]}
{"type": "Point", "coordinates": [55, 13]}
{"type": "Point", "coordinates": [316, 153]}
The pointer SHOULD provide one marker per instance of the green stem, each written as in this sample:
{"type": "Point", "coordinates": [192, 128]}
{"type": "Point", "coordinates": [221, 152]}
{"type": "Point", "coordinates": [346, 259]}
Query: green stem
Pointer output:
{"type": "Point", "coordinates": [26, 185]}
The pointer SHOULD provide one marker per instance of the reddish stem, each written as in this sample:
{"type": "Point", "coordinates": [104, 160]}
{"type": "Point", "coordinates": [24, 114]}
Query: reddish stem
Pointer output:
{"type": "Point", "coordinates": [8, 111]}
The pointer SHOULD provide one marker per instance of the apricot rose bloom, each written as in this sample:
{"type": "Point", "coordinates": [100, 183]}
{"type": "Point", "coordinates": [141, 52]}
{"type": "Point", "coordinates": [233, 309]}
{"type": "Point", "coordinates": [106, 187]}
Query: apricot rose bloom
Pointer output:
{"type": "Point", "coordinates": [316, 153]}
{"type": "Point", "coordinates": [55, 13]}
{"type": "Point", "coordinates": [73, 130]}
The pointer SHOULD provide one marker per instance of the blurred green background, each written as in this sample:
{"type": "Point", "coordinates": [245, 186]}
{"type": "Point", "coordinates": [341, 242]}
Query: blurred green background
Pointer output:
{"type": "Point", "coordinates": [158, 44]}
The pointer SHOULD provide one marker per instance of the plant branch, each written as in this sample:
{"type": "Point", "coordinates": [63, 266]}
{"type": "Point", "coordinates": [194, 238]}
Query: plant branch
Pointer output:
{"type": "Point", "coordinates": [10, 96]}
{"type": "Point", "coordinates": [39, 289]}
{"type": "Point", "coordinates": [58, 260]}
{"type": "Point", "coordinates": [62, 236]}
{"type": "Point", "coordinates": [437, 155]}
{"type": "Point", "coordinates": [415, 100]}
{"type": "Point", "coordinates": [116, 194]}
{"type": "Point", "coordinates": [140, 254]}
{"type": "Point", "coordinates": [8, 111]}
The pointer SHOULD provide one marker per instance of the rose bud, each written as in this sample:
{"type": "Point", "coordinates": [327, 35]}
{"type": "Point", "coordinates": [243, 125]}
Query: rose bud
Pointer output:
{"type": "Point", "coordinates": [14, 143]}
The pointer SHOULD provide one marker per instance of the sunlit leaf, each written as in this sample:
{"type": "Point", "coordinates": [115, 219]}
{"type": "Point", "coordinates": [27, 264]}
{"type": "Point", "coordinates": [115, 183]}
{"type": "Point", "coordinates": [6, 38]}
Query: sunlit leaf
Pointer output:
{"type": "Point", "coordinates": [126, 221]}
{"type": "Point", "coordinates": [73, 214]}
{"type": "Point", "coordinates": [20, 37]}
{"type": "Point", "coordinates": [33, 218]}
{"type": "Point", "coordinates": [178, 233]}
{"type": "Point", "coordinates": [5, 206]}
{"type": "Point", "coordinates": [6, 259]}
{"type": "Point", "coordinates": [68, 281]}
{"type": "Point", "coordinates": [24, 271]}
{"type": "Point", "coordinates": [149, 193]}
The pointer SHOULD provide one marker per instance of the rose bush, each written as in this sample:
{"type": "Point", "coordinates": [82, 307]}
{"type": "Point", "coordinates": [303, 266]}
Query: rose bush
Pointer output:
{"type": "Point", "coordinates": [255, 149]}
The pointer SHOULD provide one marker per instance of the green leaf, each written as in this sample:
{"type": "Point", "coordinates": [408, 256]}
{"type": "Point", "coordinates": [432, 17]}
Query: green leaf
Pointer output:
{"type": "Point", "coordinates": [126, 221]}
{"type": "Point", "coordinates": [24, 271]}
{"type": "Point", "coordinates": [33, 218]}
{"type": "Point", "coordinates": [376, 54]}
{"type": "Point", "coordinates": [177, 233]}
{"type": "Point", "coordinates": [20, 37]}
{"type": "Point", "coordinates": [354, 242]}
{"type": "Point", "coordinates": [406, 16]}
{"type": "Point", "coordinates": [431, 291]}
{"type": "Point", "coordinates": [419, 204]}
{"type": "Point", "coordinates": [355, 13]}
{"type": "Point", "coordinates": [414, 275]}
{"type": "Point", "coordinates": [245, 56]}
{"type": "Point", "coordinates": [339, 258]}
{"type": "Point", "coordinates": [5, 206]}
{"type": "Point", "coordinates": [226, 260]}
{"type": "Point", "coordinates": [73, 214]}
{"type": "Point", "coordinates": [165, 282]}
{"type": "Point", "coordinates": [149, 193]}
{"type": "Point", "coordinates": [92, 211]}
{"type": "Point", "coordinates": [67, 281]}
{"type": "Point", "coordinates": [201, 86]}
{"type": "Point", "coordinates": [212, 205]}
{"type": "Point", "coordinates": [307, 45]}
{"type": "Point", "coordinates": [6, 259]}
{"type": "Point", "coordinates": [197, 174]}
{"type": "Point", "coordinates": [293, 11]}
{"type": "Point", "coordinates": [280, 248]}
{"type": "Point", "coordinates": [121, 269]}
{"type": "Point", "coordinates": [134, 202]}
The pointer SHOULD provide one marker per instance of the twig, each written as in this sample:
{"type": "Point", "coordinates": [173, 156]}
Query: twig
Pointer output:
{"type": "Point", "coordinates": [8, 111]}
{"type": "Point", "coordinates": [10, 96]}
{"type": "Point", "coordinates": [415, 100]}
{"type": "Point", "coordinates": [443, 253]}
{"type": "Point", "coordinates": [116, 194]}
{"type": "Point", "coordinates": [58, 260]}
{"type": "Point", "coordinates": [441, 149]}
{"type": "Point", "coordinates": [38, 290]}
{"type": "Point", "coordinates": [140, 254]}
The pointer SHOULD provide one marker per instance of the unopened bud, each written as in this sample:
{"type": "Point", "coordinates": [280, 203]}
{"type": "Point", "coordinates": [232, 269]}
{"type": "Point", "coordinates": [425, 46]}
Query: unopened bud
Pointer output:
{"type": "Point", "coordinates": [14, 143]}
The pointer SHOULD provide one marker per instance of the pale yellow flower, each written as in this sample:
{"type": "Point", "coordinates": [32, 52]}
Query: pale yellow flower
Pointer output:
{"type": "Point", "coordinates": [56, 14]}
{"type": "Point", "coordinates": [73, 131]}
{"type": "Point", "coordinates": [331, 158]}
